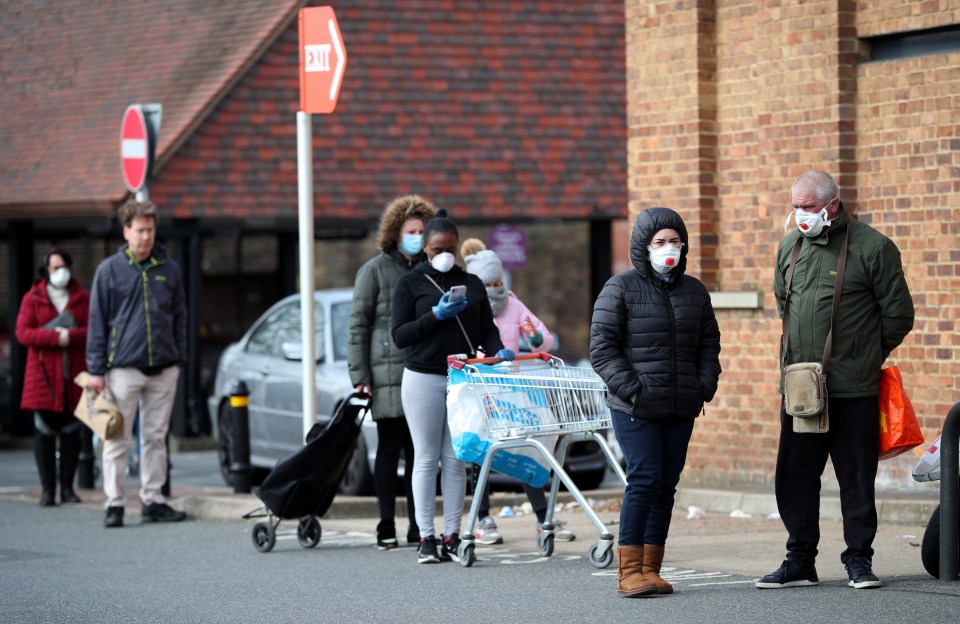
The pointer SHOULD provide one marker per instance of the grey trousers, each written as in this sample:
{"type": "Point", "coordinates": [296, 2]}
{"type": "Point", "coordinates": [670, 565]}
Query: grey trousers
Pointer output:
{"type": "Point", "coordinates": [424, 400]}
{"type": "Point", "coordinates": [153, 395]}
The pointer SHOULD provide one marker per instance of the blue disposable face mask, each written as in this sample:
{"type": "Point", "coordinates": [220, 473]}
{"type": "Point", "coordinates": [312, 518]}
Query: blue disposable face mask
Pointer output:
{"type": "Point", "coordinates": [412, 244]}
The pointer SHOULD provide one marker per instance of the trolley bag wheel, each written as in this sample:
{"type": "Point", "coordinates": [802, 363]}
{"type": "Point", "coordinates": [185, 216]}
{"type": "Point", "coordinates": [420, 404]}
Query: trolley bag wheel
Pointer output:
{"type": "Point", "coordinates": [601, 561]}
{"type": "Point", "coordinates": [264, 537]}
{"type": "Point", "coordinates": [308, 531]}
{"type": "Point", "coordinates": [545, 543]}
{"type": "Point", "coordinates": [466, 554]}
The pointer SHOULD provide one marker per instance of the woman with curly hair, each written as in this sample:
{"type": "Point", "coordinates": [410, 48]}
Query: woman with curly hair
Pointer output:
{"type": "Point", "coordinates": [375, 362]}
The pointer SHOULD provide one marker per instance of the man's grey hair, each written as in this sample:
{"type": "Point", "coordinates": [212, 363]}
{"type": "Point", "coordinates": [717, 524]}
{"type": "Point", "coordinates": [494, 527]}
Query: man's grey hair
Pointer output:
{"type": "Point", "coordinates": [826, 187]}
{"type": "Point", "coordinates": [134, 208]}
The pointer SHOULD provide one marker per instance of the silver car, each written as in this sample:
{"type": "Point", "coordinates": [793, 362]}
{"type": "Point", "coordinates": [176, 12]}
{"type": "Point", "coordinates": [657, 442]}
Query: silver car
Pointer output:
{"type": "Point", "coordinates": [268, 360]}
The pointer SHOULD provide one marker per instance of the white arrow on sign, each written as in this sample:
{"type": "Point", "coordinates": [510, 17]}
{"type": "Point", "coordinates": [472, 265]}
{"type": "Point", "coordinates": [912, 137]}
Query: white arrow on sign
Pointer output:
{"type": "Point", "coordinates": [338, 72]}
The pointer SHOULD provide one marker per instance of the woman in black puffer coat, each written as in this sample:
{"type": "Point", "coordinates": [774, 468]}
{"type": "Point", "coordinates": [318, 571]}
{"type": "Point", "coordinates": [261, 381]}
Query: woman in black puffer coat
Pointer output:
{"type": "Point", "coordinates": [655, 341]}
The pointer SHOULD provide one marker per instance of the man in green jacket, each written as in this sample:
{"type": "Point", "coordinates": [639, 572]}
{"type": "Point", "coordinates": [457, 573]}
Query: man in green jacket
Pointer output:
{"type": "Point", "coordinates": [874, 316]}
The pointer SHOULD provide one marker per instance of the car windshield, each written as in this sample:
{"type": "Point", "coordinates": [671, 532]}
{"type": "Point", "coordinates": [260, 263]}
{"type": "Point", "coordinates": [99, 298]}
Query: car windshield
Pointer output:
{"type": "Point", "coordinates": [340, 315]}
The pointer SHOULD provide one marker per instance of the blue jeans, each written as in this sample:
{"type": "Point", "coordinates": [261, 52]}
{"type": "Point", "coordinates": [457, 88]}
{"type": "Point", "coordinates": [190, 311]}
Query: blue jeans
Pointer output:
{"type": "Point", "coordinates": [655, 452]}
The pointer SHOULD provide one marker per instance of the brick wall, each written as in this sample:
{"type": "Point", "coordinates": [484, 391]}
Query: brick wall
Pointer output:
{"type": "Point", "coordinates": [727, 104]}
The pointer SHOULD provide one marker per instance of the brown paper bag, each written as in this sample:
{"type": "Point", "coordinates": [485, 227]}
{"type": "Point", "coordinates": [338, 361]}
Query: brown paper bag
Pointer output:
{"type": "Point", "coordinates": [99, 412]}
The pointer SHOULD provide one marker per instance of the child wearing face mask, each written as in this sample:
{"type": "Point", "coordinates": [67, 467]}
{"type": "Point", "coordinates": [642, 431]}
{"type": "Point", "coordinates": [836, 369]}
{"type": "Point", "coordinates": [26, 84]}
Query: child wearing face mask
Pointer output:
{"type": "Point", "coordinates": [516, 322]}
{"type": "Point", "coordinates": [52, 324]}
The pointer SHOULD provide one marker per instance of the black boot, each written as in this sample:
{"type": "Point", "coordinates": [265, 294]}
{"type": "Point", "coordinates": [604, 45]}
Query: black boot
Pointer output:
{"type": "Point", "coordinates": [45, 452]}
{"type": "Point", "coordinates": [69, 457]}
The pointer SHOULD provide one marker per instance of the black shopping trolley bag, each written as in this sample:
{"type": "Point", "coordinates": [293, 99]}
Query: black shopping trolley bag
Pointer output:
{"type": "Point", "coordinates": [306, 482]}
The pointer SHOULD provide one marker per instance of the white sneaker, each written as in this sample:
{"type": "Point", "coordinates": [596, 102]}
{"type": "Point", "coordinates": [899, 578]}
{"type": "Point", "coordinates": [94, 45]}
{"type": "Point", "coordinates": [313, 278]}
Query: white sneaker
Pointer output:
{"type": "Point", "coordinates": [486, 532]}
{"type": "Point", "coordinates": [560, 534]}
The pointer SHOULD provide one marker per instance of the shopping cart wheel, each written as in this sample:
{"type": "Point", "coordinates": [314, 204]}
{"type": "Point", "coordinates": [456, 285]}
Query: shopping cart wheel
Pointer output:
{"type": "Point", "coordinates": [545, 543]}
{"type": "Point", "coordinates": [599, 561]}
{"type": "Point", "coordinates": [308, 531]}
{"type": "Point", "coordinates": [466, 554]}
{"type": "Point", "coordinates": [264, 537]}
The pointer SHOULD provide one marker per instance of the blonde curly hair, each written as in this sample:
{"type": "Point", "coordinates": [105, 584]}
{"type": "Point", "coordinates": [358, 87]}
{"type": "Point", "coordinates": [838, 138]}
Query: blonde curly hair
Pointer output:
{"type": "Point", "coordinates": [396, 214]}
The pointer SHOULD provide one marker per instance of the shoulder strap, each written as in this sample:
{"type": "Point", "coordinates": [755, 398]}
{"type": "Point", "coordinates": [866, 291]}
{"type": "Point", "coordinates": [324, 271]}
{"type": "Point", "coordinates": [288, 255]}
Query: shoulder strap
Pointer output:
{"type": "Point", "coordinates": [837, 288]}
{"type": "Point", "coordinates": [469, 344]}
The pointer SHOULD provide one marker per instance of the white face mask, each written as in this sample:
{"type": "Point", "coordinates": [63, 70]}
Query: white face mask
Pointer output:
{"type": "Point", "coordinates": [498, 299]}
{"type": "Point", "coordinates": [811, 224]}
{"type": "Point", "coordinates": [443, 262]}
{"type": "Point", "coordinates": [60, 277]}
{"type": "Point", "coordinates": [664, 259]}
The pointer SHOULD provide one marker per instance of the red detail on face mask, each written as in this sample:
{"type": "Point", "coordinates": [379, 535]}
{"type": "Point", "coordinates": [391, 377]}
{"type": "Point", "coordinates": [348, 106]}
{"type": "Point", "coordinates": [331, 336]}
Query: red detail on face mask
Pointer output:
{"type": "Point", "coordinates": [670, 261]}
{"type": "Point", "coordinates": [804, 226]}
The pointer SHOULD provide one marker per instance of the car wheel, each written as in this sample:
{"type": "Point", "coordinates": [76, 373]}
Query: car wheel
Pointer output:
{"type": "Point", "coordinates": [224, 442]}
{"type": "Point", "coordinates": [930, 547]}
{"type": "Point", "coordinates": [357, 480]}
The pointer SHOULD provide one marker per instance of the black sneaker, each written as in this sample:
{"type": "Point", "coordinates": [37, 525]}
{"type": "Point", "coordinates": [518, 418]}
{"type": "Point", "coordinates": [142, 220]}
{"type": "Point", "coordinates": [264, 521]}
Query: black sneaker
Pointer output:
{"type": "Point", "coordinates": [428, 550]}
{"type": "Point", "coordinates": [387, 543]}
{"type": "Point", "coordinates": [413, 536]}
{"type": "Point", "coordinates": [161, 512]}
{"type": "Point", "coordinates": [790, 574]}
{"type": "Point", "coordinates": [861, 574]}
{"type": "Point", "coordinates": [114, 517]}
{"type": "Point", "coordinates": [451, 544]}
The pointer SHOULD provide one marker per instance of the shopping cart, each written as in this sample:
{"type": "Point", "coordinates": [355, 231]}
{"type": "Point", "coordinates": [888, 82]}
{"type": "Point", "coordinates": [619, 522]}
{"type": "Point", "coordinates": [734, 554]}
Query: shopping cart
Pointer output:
{"type": "Point", "coordinates": [524, 402]}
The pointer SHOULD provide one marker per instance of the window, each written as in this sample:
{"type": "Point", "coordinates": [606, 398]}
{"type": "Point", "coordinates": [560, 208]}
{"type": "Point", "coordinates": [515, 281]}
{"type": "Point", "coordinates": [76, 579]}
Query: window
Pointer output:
{"type": "Point", "coordinates": [283, 325]}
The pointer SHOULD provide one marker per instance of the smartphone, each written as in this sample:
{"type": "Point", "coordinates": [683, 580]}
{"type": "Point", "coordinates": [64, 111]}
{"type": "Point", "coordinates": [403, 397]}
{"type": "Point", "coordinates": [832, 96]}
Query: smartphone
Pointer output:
{"type": "Point", "coordinates": [457, 292]}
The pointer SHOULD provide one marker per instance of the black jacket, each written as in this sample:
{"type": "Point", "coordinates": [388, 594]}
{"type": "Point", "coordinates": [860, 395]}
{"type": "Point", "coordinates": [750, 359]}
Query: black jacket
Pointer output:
{"type": "Point", "coordinates": [138, 315]}
{"type": "Point", "coordinates": [655, 342]}
{"type": "Point", "coordinates": [427, 341]}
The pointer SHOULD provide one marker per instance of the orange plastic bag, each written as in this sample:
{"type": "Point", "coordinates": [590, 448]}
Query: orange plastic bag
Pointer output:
{"type": "Point", "coordinates": [899, 430]}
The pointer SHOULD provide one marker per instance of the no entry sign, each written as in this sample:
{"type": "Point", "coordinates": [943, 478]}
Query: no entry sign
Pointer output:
{"type": "Point", "coordinates": [134, 148]}
{"type": "Point", "coordinates": [323, 59]}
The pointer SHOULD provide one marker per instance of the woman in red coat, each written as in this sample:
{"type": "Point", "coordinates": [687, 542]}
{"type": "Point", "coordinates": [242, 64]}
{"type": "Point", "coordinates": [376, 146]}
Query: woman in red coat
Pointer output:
{"type": "Point", "coordinates": [52, 323]}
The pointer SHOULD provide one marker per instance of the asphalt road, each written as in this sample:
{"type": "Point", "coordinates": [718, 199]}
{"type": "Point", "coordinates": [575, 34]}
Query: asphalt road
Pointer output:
{"type": "Point", "coordinates": [59, 565]}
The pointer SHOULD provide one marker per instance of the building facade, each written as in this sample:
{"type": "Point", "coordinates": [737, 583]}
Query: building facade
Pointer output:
{"type": "Point", "coordinates": [727, 102]}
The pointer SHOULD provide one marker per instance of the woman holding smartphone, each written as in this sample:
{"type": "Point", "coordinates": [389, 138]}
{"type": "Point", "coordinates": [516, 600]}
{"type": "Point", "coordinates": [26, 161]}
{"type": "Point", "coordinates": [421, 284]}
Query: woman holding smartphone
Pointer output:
{"type": "Point", "coordinates": [430, 322]}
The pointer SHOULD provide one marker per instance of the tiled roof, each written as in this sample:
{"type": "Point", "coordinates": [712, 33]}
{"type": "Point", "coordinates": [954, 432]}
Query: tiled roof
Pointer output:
{"type": "Point", "coordinates": [492, 109]}
{"type": "Point", "coordinates": [69, 69]}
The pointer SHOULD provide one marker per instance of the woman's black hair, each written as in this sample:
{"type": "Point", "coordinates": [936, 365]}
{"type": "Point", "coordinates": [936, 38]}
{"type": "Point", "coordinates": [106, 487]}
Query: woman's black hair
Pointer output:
{"type": "Point", "coordinates": [54, 251]}
{"type": "Point", "coordinates": [440, 224]}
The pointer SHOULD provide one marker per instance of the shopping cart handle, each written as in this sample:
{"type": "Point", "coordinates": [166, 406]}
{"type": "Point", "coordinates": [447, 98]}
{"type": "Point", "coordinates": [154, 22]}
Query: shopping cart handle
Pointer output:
{"type": "Point", "coordinates": [459, 360]}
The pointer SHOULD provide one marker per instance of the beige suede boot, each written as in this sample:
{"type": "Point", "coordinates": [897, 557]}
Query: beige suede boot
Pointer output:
{"type": "Point", "coordinates": [631, 581]}
{"type": "Point", "coordinates": [652, 561]}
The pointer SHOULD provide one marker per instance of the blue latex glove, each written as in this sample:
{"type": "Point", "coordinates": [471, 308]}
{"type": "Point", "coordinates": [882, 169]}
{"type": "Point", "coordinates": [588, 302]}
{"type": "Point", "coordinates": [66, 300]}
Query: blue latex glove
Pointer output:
{"type": "Point", "coordinates": [446, 309]}
{"type": "Point", "coordinates": [505, 354]}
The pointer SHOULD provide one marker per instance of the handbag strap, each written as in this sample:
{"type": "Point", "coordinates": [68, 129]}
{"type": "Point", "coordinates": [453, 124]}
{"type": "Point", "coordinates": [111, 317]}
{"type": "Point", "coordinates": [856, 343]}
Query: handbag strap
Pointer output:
{"type": "Point", "coordinates": [837, 288]}
{"type": "Point", "coordinates": [469, 344]}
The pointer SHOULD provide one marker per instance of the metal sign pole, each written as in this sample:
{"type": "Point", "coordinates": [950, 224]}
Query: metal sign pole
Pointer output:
{"type": "Point", "coordinates": [305, 197]}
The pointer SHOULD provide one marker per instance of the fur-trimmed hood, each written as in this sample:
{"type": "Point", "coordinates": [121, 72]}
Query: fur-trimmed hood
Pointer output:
{"type": "Point", "coordinates": [396, 214]}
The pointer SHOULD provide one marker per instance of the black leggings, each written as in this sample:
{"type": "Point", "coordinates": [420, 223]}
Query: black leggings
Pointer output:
{"type": "Point", "coordinates": [394, 437]}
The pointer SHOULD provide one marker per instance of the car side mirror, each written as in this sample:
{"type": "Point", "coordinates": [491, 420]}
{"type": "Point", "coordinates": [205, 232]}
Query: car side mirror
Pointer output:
{"type": "Point", "coordinates": [294, 351]}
